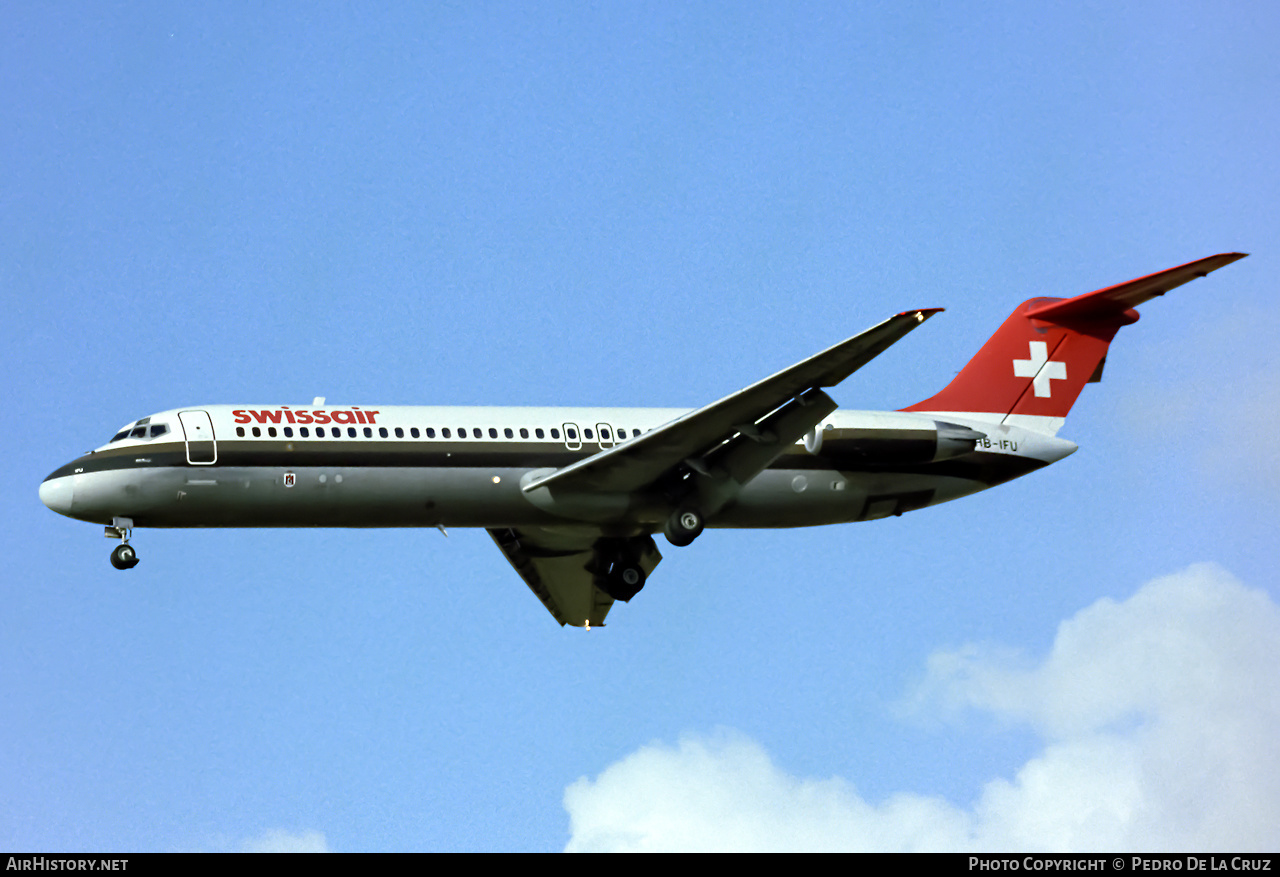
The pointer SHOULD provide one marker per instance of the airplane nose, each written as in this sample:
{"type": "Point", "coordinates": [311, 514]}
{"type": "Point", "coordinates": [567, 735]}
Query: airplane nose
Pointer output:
{"type": "Point", "coordinates": [57, 494]}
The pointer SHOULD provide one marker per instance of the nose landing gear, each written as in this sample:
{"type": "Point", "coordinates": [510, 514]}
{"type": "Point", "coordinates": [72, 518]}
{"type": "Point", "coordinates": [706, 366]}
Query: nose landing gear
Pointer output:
{"type": "Point", "coordinates": [123, 556]}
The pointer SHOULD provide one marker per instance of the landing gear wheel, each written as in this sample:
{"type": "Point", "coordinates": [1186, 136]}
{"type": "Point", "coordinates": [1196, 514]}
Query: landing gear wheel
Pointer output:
{"type": "Point", "coordinates": [124, 557]}
{"type": "Point", "coordinates": [624, 579]}
{"type": "Point", "coordinates": [620, 565]}
{"type": "Point", "coordinates": [683, 526]}
{"type": "Point", "coordinates": [621, 578]}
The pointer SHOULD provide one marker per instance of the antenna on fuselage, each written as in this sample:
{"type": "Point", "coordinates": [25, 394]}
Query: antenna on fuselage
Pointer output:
{"type": "Point", "coordinates": [317, 402]}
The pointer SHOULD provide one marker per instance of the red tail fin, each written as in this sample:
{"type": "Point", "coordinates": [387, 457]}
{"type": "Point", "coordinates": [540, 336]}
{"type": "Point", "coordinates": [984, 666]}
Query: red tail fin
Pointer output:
{"type": "Point", "coordinates": [1031, 371]}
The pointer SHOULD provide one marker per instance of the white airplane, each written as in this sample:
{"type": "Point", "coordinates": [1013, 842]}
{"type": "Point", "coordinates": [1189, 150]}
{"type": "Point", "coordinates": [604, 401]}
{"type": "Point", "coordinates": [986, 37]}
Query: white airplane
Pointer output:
{"type": "Point", "coordinates": [572, 496]}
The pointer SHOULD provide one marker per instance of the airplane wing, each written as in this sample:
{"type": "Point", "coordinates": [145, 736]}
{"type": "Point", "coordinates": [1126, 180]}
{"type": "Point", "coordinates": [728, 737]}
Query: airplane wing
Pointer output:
{"type": "Point", "coordinates": [763, 419]}
{"type": "Point", "coordinates": [562, 573]}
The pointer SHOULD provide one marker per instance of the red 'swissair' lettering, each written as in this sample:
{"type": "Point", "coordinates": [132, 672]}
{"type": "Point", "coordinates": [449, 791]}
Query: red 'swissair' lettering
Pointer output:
{"type": "Point", "coordinates": [248, 415]}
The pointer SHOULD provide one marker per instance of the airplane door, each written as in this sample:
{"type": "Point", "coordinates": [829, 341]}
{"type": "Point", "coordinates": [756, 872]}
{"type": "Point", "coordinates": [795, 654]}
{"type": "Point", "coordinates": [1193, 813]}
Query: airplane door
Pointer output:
{"type": "Point", "coordinates": [605, 433]}
{"type": "Point", "coordinates": [202, 447]}
{"type": "Point", "coordinates": [572, 438]}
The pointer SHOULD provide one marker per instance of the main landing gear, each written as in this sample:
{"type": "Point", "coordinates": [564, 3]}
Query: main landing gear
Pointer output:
{"type": "Point", "coordinates": [123, 557]}
{"type": "Point", "coordinates": [623, 578]}
{"type": "Point", "coordinates": [617, 566]}
{"type": "Point", "coordinates": [684, 525]}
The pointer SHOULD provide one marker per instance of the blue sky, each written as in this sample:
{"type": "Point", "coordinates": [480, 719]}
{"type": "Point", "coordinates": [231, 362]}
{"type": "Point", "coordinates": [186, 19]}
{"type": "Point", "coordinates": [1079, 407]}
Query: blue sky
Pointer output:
{"type": "Point", "coordinates": [627, 204]}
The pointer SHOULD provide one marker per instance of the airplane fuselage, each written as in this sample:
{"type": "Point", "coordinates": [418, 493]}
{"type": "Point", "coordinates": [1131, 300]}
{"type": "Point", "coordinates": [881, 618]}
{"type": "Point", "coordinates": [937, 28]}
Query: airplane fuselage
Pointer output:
{"type": "Point", "coordinates": [401, 466]}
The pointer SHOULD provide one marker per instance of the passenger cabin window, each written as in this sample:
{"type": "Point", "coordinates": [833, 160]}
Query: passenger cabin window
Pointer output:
{"type": "Point", "coordinates": [445, 432]}
{"type": "Point", "coordinates": [288, 432]}
{"type": "Point", "coordinates": [524, 433]}
{"type": "Point", "coordinates": [351, 431]}
{"type": "Point", "coordinates": [587, 433]}
{"type": "Point", "coordinates": [493, 433]}
{"type": "Point", "coordinates": [303, 431]}
{"type": "Point", "coordinates": [622, 433]}
{"type": "Point", "coordinates": [271, 431]}
{"type": "Point", "coordinates": [537, 431]}
{"type": "Point", "coordinates": [368, 432]}
{"type": "Point", "coordinates": [399, 432]}
{"type": "Point", "coordinates": [571, 433]}
{"type": "Point", "coordinates": [555, 433]}
{"type": "Point", "coordinates": [257, 432]}
{"type": "Point", "coordinates": [239, 431]}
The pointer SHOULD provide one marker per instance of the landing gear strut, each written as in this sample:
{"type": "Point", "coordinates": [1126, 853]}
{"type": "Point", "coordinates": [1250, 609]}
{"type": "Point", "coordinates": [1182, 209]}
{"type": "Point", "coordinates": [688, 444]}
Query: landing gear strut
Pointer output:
{"type": "Point", "coordinates": [684, 525]}
{"type": "Point", "coordinates": [123, 557]}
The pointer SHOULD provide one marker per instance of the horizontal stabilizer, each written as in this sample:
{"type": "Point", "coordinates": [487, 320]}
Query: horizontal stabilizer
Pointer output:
{"type": "Point", "coordinates": [1123, 296]}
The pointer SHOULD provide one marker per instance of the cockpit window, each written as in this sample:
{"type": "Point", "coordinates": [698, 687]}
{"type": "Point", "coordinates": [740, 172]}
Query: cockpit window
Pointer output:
{"type": "Point", "coordinates": [141, 430]}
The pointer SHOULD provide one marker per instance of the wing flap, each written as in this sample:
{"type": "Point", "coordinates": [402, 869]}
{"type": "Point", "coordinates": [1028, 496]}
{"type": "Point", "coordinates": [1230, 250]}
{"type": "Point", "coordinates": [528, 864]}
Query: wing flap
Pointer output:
{"type": "Point", "coordinates": [729, 467]}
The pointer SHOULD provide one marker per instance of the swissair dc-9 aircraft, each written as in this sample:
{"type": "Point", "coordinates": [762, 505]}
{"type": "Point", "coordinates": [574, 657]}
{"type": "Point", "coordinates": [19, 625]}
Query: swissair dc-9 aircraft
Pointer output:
{"type": "Point", "coordinates": [572, 496]}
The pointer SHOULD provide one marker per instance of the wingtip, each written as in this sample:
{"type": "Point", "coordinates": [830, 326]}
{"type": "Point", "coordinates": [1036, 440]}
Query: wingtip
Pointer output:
{"type": "Point", "coordinates": [1221, 260]}
{"type": "Point", "coordinates": [1226, 258]}
{"type": "Point", "coordinates": [922, 314]}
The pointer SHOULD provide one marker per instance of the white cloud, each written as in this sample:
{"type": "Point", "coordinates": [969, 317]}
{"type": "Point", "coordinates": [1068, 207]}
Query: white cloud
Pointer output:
{"type": "Point", "coordinates": [276, 840]}
{"type": "Point", "coordinates": [724, 793]}
{"type": "Point", "coordinates": [1158, 714]}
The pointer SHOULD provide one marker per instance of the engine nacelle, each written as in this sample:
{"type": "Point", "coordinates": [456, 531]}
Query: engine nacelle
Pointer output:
{"type": "Point", "coordinates": [954, 439]}
{"type": "Point", "coordinates": [892, 446]}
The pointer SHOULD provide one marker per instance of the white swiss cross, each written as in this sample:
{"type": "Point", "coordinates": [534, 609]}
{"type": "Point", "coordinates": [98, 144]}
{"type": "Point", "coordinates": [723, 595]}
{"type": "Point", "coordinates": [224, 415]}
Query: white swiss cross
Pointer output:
{"type": "Point", "coordinates": [1039, 368]}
